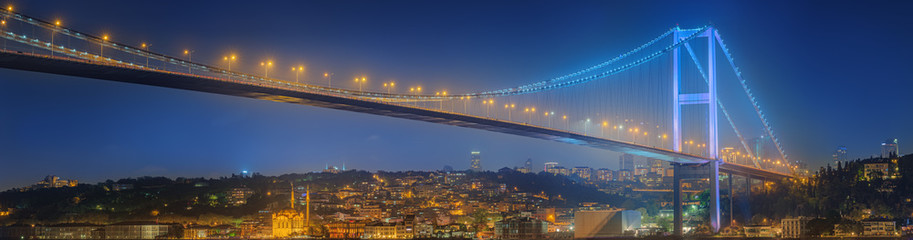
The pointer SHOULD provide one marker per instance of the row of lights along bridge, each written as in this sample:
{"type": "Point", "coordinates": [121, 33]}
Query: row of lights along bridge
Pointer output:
{"type": "Point", "coordinates": [614, 131]}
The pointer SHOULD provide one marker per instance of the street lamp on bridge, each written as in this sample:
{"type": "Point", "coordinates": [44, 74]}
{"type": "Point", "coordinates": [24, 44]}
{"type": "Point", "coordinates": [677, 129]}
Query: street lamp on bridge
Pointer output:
{"type": "Point", "coordinates": [2, 26]}
{"type": "Point", "coordinates": [360, 82]}
{"type": "Point", "coordinates": [297, 70]}
{"type": "Point", "coordinates": [329, 77]}
{"type": "Point", "coordinates": [510, 108]}
{"type": "Point", "coordinates": [567, 125]}
{"type": "Point", "coordinates": [189, 54]}
{"type": "Point", "coordinates": [102, 46]}
{"type": "Point", "coordinates": [266, 65]}
{"type": "Point", "coordinates": [53, 32]}
{"type": "Point", "coordinates": [229, 59]}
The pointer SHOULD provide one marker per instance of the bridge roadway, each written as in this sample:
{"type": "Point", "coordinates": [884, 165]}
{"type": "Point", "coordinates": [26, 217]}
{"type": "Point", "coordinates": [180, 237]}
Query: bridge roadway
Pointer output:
{"type": "Point", "coordinates": [274, 92]}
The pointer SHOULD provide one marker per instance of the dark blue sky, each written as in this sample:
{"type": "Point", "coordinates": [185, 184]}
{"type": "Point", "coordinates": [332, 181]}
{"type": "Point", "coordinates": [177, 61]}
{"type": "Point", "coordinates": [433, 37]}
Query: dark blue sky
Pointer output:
{"type": "Point", "coordinates": [827, 73]}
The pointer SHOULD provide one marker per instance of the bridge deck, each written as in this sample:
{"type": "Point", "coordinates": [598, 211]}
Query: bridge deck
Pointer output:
{"type": "Point", "coordinates": [81, 68]}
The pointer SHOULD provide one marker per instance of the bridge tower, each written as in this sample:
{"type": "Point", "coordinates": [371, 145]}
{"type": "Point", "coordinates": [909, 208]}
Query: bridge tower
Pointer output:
{"type": "Point", "coordinates": [709, 98]}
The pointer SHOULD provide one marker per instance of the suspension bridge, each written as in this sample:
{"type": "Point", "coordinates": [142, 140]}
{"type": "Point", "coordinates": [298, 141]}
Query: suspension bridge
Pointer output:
{"type": "Point", "coordinates": [661, 100]}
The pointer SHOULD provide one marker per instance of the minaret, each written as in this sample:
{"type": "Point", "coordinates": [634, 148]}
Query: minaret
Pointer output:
{"type": "Point", "coordinates": [307, 214]}
{"type": "Point", "coordinates": [293, 194]}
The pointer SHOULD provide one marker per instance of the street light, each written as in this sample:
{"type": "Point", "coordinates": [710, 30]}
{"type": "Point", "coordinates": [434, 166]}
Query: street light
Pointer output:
{"type": "Point", "coordinates": [488, 104]}
{"type": "Point", "coordinates": [567, 126]}
{"type": "Point", "coordinates": [586, 126]}
{"type": "Point", "coordinates": [145, 48]}
{"type": "Point", "coordinates": [549, 118]}
{"type": "Point", "coordinates": [329, 77]}
{"type": "Point", "coordinates": [664, 137]}
{"type": "Point", "coordinates": [102, 46]}
{"type": "Point", "coordinates": [266, 67]}
{"type": "Point", "coordinates": [2, 26]}
{"type": "Point", "coordinates": [297, 70]}
{"type": "Point", "coordinates": [229, 59]}
{"type": "Point", "coordinates": [510, 108]}
{"type": "Point", "coordinates": [360, 82]}
{"type": "Point", "coordinates": [53, 31]}
{"type": "Point", "coordinates": [388, 86]}
{"type": "Point", "coordinates": [189, 54]}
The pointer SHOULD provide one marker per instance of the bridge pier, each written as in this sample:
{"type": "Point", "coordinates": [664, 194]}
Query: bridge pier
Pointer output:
{"type": "Point", "coordinates": [747, 200]}
{"type": "Point", "coordinates": [677, 199]}
{"type": "Point", "coordinates": [731, 207]}
{"type": "Point", "coordinates": [709, 170]}
{"type": "Point", "coordinates": [714, 196]}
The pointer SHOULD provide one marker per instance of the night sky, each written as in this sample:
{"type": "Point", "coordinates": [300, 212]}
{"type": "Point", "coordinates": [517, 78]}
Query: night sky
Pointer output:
{"type": "Point", "coordinates": [827, 73]}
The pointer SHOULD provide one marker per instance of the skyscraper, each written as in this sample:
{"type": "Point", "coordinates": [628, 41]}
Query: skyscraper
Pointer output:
{"type": "Point", "coordinates": [840, 154]}
{"type": "Point", "coordinates": [549, 166]}
{"type": "Point", "coordinates": [528, 165]}
{"type": "Point", "coordinates": [475, 162]}
{"type": "Point", "coordinates": [889, 148]}
{"type": "Point", "coordinates": [759, 147]}
{"type": "Point", "coordinates": [626, 162]}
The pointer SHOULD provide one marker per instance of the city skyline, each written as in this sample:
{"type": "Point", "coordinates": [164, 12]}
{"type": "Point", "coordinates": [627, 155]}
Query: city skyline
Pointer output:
{"type": "Point", "coordinates": [107, 137]}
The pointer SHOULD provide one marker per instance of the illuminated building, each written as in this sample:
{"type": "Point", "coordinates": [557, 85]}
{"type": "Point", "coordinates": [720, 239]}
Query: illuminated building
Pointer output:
{"type": "Point", "coordinates": [475, 162]}
{"type": "Point", "coordinates": [889, 148]}
{"type": "Point", "coordinates": [346, 229]}
{"type": "Point", "coordinates": [559, 170]}
{"type": "Point", "coordinates": [794, 227]}
{"type": "Point", "coordinates": [606, 223]}
{"type": "Point", "coordinates": [840, 154]}
{"type": "Point", "coordinates": [52, 181]}
{"type": "Point", "coordinates": [288, 222]}
{"type": "Point", "coordinates": [549, 166]}
{"type": "Point", "coordinates": [521, 228]}
{"type": "Point", "coordinates": [624, 175]}
{"type": "Point", "coordinates": [382, 230]}
{"type": "Point", "coordinates": [582, 172]}
{"type": "Point", "coordinates": [605, 175]}
{"type": "Point", "coordinates": [527, 166]}
{"type": "Point", "coordinates": [657, 166]}
{"type": "Point", "coordinates": [334, 169]}
{"type": "Point", "coordinates": [70, 231]}
{"type": "Point", "coordinates": [878, 228]}
{"type": "Point", "coordinates": [238, 196]}
{"type": "Point", "coordinates": [759, 146]}
{"type": "Point", "coordinates": [881, 168]}
{"type": "Point", "coordinates": [138, 230]}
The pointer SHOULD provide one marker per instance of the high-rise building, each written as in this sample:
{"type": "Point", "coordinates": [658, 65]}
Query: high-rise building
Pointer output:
{"type": "Point", "coordinates": [840, 154]}
{"type": "Point", "coordinates": [528, 165]}
{"type": "Point", "coordinates": [889, 148]}
{"type": "Point", "coordinates": [549, 166]}
{"type": "Point", "coordinates": [759, 146]}
{"type": "Point", "coordinates": [475, 162]}
{"type": "Point", "coordinates": [605, 175]}
{"type": "Point", "coordinates": [657, 166]}
{"type": "Point", "coordinates": [582, 172]}
{"type": "Point", "coordinates": [626, 162]}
